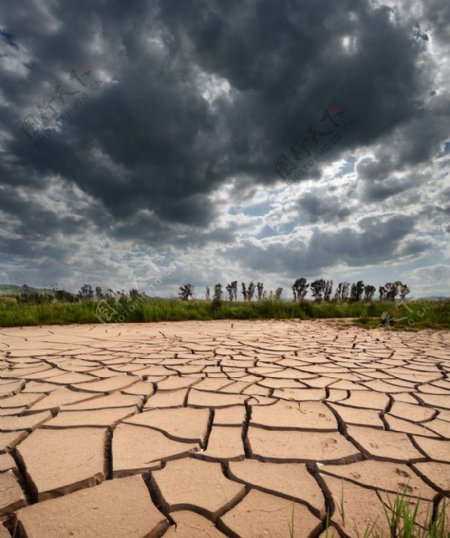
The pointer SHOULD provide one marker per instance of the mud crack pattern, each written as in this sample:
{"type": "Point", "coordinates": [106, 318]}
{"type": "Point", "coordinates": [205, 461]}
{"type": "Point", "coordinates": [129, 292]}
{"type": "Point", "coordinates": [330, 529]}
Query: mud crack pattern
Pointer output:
{"type": "Point", "coordinates": [209, 429]}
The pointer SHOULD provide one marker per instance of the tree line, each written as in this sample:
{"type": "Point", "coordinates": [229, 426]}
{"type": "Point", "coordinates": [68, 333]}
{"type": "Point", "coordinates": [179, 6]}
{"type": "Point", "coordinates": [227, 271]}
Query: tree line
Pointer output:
{"type": "Point", "coordinates": [84, 294]}
{"type": "Point", "coordinates": [321, 290]}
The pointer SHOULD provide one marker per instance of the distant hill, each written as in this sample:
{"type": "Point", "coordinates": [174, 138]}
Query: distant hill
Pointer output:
{"type": "Point", "coordinates": [11, 289]}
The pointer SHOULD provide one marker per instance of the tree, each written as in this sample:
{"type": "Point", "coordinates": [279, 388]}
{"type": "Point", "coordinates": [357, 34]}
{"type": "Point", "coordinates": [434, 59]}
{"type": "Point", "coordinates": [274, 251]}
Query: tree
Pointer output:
{"type": "Point", "coordinates": [369, 292]}
{"type": "Point", "coordinates": [234, 286]}
{"type": "Point", "coordinates": [230, 291]}
{"type": "Point", "coordinates": [382, 293]}
{"type": "Point", "coordinates": [248, 291]}
{"type": "Point", "coordinates": [357, 291]}
{"type": "Point", "coordinates": [185, 292]}
{"type": "Point", "coordinates": [317, 288]}
{"type": "Point", "coordinates": [207, 293]}
{"type": "Point", "coordinates": [251, 291]}
{"type": "Point", "coordinates": [278, 293]}
{"type": "Point", "coordinates": [135, 295]}
{"type": "Point", "coordinates": [260, 288]}
{"type": "Point", "coordinates": [392, 290]}
{"type": "Point", "coordinates": [300, 289]}
{"type": "Point", "coordinates": [327, 290]}
{"type": "Point", "coordinates": [99, 293]}
{"type": "Point", "coordinates": [110, 294]}
{"type": "Point", "coordinates": [34, 298]}
{"type": "Point", "coordinates": [404, 290]}
{"type": "Point", "coordinates": [86, 292]}
{"type": "Point", "coordinates": [218, 294]}
{"type": "Point", "coordinates": [244, 291]}
{"type": "Point", "coordinates": [65, 296]}
{"type": "Point", "coordinates": [342, 291]}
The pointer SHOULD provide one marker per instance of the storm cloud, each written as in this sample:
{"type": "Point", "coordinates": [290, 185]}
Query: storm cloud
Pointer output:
{"type": "Point", "coordinates": [153, 129]}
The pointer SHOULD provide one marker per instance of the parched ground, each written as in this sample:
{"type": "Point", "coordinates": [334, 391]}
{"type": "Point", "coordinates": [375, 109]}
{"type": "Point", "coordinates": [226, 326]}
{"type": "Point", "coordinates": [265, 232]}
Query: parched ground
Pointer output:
{"type": "Point", "coordinates": [212, 429]}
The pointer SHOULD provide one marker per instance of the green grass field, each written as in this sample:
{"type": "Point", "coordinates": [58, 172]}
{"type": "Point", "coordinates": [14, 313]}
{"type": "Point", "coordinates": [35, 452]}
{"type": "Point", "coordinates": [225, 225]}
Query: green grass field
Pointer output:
{"type": "Point", "coordinates": [416, 314]}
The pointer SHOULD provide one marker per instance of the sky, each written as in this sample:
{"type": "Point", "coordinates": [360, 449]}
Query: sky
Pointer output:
{"type": "Point", "coordinates": [154, 143]}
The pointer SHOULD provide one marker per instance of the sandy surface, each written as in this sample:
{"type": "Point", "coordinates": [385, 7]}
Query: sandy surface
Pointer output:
{"type": "Point", "coordinates": [209, 429]}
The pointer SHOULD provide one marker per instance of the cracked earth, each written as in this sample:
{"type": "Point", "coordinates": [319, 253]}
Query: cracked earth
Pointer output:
{"type": "Point", "coordinates": [212, 429]}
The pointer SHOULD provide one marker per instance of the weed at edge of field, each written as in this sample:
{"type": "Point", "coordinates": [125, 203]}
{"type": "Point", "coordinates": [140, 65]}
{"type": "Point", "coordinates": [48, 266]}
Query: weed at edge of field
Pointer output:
{"type": "Point", "coordinates": [401, 518]}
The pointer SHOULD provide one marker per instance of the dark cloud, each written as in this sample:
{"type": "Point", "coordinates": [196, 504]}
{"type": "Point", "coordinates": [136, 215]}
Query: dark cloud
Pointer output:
{"type": "Point", "coordinates": [437, 14]}
{"type": "Point", "coordinates": [378, 183]}
{"type": "Point", "coordinates": [165, 141]}
{"type": "Point", "coordinates": [376, 240]}
{"type": "Point", "coordinates": [8, 38]}
{"type": "Point", "coordinates": [318, 208]}
{"type": "Point", "coordinates": [196, 95]}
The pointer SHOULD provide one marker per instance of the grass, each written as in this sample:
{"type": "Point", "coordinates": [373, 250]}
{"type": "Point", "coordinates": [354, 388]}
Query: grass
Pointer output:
{"type": "Point", "coordinates": [412, 316]}
{"type": "Point", "coordinates": [401, 517]}
{"type": "Point", "coordinates": [402, 520]}
{"type": "Point", "coordinates": [341, 505]}
{"type": "Point", "coordinates": [421, 314]}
